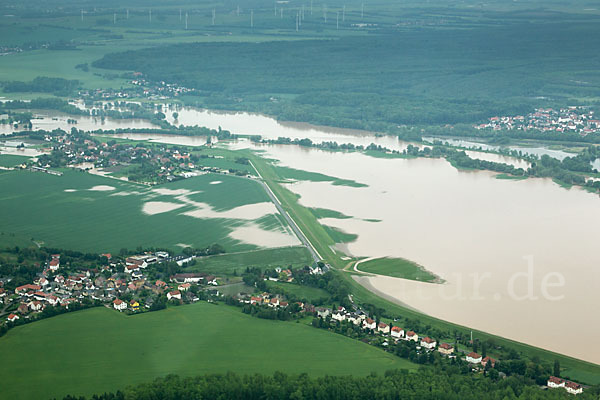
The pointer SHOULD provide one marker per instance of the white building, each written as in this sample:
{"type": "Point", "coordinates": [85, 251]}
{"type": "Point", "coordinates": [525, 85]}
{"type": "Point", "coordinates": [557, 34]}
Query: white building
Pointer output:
{"type": "Point", "coordinates": [119, 305]}
{"type": "Point", "coordinates": [428, 343]}
{"type": "Point", "coordinates": [397, 332]}
{"type": "Point", "coordinates": [473, 358]}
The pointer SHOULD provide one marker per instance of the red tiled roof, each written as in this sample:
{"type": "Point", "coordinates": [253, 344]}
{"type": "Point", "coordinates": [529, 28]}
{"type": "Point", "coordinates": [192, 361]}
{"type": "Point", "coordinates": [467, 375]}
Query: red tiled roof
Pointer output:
{"type": "Point", "coordinates": [446, 346]}
{"type": "Point", "coordinates": [397, 329]}
{"type": "Point", "coordinates": [427, 340]}
{"type": "Point", "coordinates": [555, 380]}
{"type": "Point", "coordinates": [473, 355]}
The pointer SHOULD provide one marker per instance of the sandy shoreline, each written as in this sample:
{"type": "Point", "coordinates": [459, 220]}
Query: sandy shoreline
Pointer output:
{"type": "Point", "coordinates": [365, 282]}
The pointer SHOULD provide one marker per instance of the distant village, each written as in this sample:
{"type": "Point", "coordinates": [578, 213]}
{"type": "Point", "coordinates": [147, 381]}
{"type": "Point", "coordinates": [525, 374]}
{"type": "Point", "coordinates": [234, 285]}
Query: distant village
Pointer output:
{"type": "Point", "coordinates": [141, 88]}
{"type": "Point", "coordinates": [156, 164]}
{"type": "Point", "coordinates": [576, 119]}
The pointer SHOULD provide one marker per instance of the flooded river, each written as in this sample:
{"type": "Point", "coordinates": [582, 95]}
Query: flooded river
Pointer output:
{"type": "Point", "coordinates": [516, 255]}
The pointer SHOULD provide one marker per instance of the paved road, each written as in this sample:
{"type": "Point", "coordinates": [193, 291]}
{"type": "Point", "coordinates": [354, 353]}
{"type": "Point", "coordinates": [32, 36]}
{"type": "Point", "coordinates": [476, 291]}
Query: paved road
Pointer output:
{"type": "Point", "coordinates": [313, 252]}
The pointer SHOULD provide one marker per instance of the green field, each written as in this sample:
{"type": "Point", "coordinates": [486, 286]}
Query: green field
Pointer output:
{"type": "Point", "coordinates": [63, 212]}
{"type": "Point", "coordinates": [101, 350]}
{"type": "Point", "coordinates": [282, 257]}
{"type": "Point", "coordinates": [311, 294]}
{"type": "Point", "coordinates": [10, 160]}
{"type": "Point", "coordinates": [397, 268]}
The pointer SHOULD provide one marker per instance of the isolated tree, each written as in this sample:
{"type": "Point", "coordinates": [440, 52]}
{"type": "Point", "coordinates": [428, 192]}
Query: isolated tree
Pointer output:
{"type": "Point", "coordinates": [556, 368]}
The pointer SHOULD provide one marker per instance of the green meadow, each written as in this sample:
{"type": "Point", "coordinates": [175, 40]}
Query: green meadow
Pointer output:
{"type": "Point", "coordinates": [297, 257]}
{"type": "Point", "coordinates": [311, 294]}
{"type": "Point", "coordinates": [10, 160]}
{"type": "Point", "coordinates": [67, 212]}
{"type": "Point", "coordinates": [99, 350]}
{"type": "Point", "coordinates": [397, 268]}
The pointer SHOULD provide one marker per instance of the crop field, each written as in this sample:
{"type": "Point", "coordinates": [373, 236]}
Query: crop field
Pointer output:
{"type": "Point", "coordinates": [92, 351]}
{"type": "Point", "coordinates": [84, 212]}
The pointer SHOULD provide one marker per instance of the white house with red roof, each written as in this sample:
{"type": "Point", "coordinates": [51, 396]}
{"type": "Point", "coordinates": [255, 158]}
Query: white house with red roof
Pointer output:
{"type": "Point", "coordinates": [428, 343]}
{"type": "Point", "coordinates": [383, 328]}
{"type": "Point", "coordinates": [554, 382]}
{"type": "Point", "coordinates": [397, 332]}
{"type": "Point", "coordinates": [573, 388]}
{"type": "Point", "coordinates": [446, 349]}
{"type": "Point", "coordinates": [489, 360]}
{"type": "Point", "coordinates": [175, 294]}
{"type": "Point", "coordinates": [12, 317]}
{"type": "Point", "coordinates": [35, 306]}
{"type": "Point", "coordinates": [410, 335]}
{"type": "Point", "coordinates": [369, 324]}
{"type": "Point", "coordinates": [54, 264]}
{"type": "Point", "coordinates": [184, 286]}
{"type": "Point", "coordinates": [119, 304]}
{"type": "Point", "coordinates": [473, 358]}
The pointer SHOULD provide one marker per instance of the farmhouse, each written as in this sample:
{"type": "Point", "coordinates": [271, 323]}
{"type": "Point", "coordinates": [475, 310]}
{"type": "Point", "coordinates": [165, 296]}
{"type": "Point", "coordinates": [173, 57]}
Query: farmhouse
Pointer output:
{"type": "Point", "coordinates": [12, 317]}
{"type": "Point", "coordinates": [119, 305]}
{"type": "Point", "coordinates": [410, 335]}
{"type": "Point", "coordinates": [428, 343]}
{"type": "Point", "coordinates": [25, 288]}
{"type": "Point", "coordinates": [446, 349]}
{"type": "Point", "coordinates": [473, 358]}
{"type": "Point", "coordinates": [397, 332]}
{"type": "Point", "coordinates": [184, 286]}
{"type": "Point", "coordinates": [35, 306]}
{"type": "Point", "coordinates": [175, 294]}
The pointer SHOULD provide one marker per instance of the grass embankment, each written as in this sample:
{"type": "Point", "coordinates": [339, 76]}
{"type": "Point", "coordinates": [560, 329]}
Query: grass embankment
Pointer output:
{"type": "Point", "coordinates": [101, 350]}
{"type": "Point", "coordinates": [65, 211]}
{"type": "Point", "coordinates": [577, 369]}
{"type": "Point", "coordinates": [287, 173]}
{"type": "Point", "coordinates": [283, 257]}
{"type": "Point", "coordinates": [397, 268]}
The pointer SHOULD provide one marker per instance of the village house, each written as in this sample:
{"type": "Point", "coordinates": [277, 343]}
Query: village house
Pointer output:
{"type": "Point", "coordinates": [369, 324]}
{"type": "Point", "coordinates": [175, 294]}
{"type": "Point", "coordinates": [428, 343]}
{"type": "Point", "coordinates": [184, 286]}
{"type": "Point", "coordinates": [22, 309]}
{"type": "Point", "coordinates": [188, 278]}
{"type": "Point", "coordinates": [36, 306]}
{"type": "Point", "coordinates": [274, 302]}
{"type": "Point", "coordinates": [473, 358]}
{"type": "Point", "coordinates": [489, 360]}
{"type": "Point", "coordinates": [383, 328]}
{"type": "Point", "coordinates": [554, 382]}
{"type": "Point", "coordinates": [573, 388]}
{"type": "Point", "coordinates": [256, 300]}
{"type": "Point", "coordinates": [323, 312]}
{"type": "Point", "coordinates": [397, 332]}
{"type": "Point", "coordinates": [446, 349]}
{"type": "Point", "coordinates": [410, 335]}
{"type": "Point", "coordinates": [135, 306]}
{"type": "Point", "coordinates": [12, 317]}
{"type": "Point", "coordinates": [119, 305]}
{"type": "Point", "coordinates": [339, 316]}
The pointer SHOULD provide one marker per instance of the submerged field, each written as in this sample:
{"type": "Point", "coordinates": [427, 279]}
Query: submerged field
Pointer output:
{"type": "Point", "coordinates": [84, 212]}
{"type": "Point", "coordinates": [101, 350]}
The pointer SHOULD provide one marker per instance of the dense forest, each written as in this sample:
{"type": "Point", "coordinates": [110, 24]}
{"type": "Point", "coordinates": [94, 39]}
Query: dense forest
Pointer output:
{"type": "Point", "coordinates": [381, 81]}
{"type": "Point", "coordinates": [400, 384]}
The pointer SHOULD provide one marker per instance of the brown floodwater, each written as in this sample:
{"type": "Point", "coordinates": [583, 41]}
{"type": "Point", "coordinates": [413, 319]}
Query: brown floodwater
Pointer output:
{"type": "Point", "coordinates": [519, 257]}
